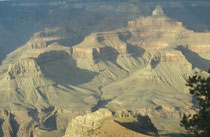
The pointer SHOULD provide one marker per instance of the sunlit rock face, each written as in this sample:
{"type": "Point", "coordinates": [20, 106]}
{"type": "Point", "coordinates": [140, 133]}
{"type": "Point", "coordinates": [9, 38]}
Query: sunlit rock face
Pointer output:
{"type": "Point", "coordinates": [23, 68]}
{"type": "Point", "coordinates": [142, 66]}
{"type": "Point", "coordinates": [147, 33]}
{"type": "Point", "coordinates": [81, 125]}
{"type": "Point", "coordinates": [104, 123]}
{"type": "Point", "coordinates": [42, 39]}
{"type": "Point", "coordinates": [158, 11]}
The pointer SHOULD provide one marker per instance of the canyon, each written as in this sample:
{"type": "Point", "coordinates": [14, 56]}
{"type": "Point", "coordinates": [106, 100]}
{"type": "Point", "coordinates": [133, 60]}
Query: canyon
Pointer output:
{"type": "Point", "coordinates": [46, 85]}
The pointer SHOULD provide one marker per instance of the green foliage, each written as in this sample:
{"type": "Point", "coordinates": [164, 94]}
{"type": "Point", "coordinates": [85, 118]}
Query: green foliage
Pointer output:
{"type": "Point", "coordinates": [198, 125]}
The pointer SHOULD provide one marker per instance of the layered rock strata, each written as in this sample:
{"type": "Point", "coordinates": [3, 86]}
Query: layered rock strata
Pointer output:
{"type": "Point", "coordinates": [141, 67]}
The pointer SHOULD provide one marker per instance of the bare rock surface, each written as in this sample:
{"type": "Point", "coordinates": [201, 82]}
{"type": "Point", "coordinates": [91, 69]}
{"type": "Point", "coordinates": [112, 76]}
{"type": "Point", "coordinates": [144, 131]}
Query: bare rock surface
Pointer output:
{"type": "Point", "coordinates": [82, 125]}
{"type": "Point", "coordinates": [103, 123]}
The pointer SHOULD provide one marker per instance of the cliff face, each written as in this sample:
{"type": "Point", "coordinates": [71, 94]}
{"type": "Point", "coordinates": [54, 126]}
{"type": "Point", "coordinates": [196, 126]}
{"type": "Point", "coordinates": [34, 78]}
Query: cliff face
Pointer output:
{"type": "Point", "coordinates": [42, 39]}
{"type": "Point", "coordinates": [147, 33]}
{"type": "Point", "coordinates": [23, 68]}
{"type": "Point", "coordinates": [199, 48]}
{"type": "Point", "coordinates": [16, 123]}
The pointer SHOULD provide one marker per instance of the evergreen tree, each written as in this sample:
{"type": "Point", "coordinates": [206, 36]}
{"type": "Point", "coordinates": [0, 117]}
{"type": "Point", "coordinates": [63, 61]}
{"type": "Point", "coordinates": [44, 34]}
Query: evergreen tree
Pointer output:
{"type": "Point", "coordinates": [198, 125]}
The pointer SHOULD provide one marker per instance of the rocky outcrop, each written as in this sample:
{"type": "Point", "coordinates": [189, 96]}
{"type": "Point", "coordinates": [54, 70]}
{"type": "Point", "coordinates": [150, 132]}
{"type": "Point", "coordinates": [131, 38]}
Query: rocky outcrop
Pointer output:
{"type": "Point", "coordinates": [100, 45]}
{"type": "Point", "coordinates": [95, 124]}
{"type": "Point", "coordinates": [80, 52]}
{"type": "Point", "coordinates": [41, 42]}
{"type": "Point", "coordinates": [158, 18]}
{"type": "Point", "coordinates": [143, 120]}
{"type": "Point", "coordinates": [158, 11]}
{"type": "Point", "coordinates": [16, 124]}
{"type": "Point", "coordinates": [23, 68]}
{"type": "Point", "coordinates": [82, 125]}
{"type": "Point", "coordinates": [199, 48]}
{"type": "Point", "coordinates": [52, 56]}
{"type": "Point", "coordinates": [154, 21]}
{"type": "Point", "coordinates": [42, 39]}
{"type": "Point", "coordinates": [6, 125]}
{"type": "Point", "coordinates": [63, 116]}
{"type": "Point", "coordinates": [147, 33]}
{"type": "Point", "coordinates": [25, 123]}
{"type": "Point", "coordinates": [169, 56]}
{"type": "Point", "coordinates": [95, 53]}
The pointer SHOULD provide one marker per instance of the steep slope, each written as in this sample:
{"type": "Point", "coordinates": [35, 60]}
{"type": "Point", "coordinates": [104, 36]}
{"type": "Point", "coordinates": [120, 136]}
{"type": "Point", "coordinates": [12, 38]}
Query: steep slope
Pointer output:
{"type": "Point", "coordinates": [142, 67]}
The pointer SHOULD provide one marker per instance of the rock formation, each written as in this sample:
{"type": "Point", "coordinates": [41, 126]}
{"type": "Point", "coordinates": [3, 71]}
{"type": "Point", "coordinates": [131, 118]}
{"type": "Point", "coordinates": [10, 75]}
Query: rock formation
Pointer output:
{"type": "Point", "coordinates": [141, 67]}
{"type": "Point", "coordinates": [158, 11]}
{"type": "Point", "coordinates": [82, 125]}
{"type": "Point", "coordinates": [96, 125]}
{"type": "Point", "coordinates": [148, 33]}
{"type": "Point", "coordinates": [23, 68]}
{"type": "Point", "coordinates": [42, 39]}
